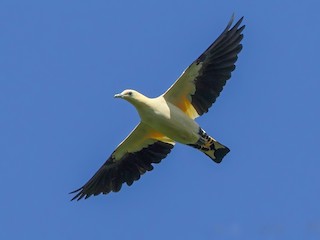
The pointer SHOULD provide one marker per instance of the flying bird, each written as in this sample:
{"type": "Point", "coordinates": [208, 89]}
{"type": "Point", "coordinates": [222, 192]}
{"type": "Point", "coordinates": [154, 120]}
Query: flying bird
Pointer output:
{"type": "Point", "coordinates": [169, 118]}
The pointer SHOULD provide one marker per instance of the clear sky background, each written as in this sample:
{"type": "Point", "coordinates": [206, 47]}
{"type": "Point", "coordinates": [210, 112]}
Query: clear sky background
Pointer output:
{"type": "Point", "coordinates": [61, 62]}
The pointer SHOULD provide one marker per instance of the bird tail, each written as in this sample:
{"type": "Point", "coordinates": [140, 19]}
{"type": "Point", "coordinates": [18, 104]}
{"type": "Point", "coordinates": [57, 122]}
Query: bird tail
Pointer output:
{"type": "Point", "coordinates": [211, 147]}
{"type": "Point", "coordinates": [216, 151]}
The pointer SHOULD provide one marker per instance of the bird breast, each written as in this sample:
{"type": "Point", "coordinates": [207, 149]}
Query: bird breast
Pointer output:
{"type": "Point", "coordinates": [169, 120]}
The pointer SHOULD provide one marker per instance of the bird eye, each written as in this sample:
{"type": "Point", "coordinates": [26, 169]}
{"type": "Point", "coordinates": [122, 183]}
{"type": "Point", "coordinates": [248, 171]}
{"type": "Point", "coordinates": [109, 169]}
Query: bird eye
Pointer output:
{"type": "Point", "coordinates": [130, 93]}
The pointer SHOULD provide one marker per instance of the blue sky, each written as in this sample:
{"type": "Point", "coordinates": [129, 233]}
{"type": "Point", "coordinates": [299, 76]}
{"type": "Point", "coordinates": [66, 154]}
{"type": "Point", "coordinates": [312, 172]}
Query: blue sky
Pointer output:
{"type": "Point", "coordinates": [61, 63]}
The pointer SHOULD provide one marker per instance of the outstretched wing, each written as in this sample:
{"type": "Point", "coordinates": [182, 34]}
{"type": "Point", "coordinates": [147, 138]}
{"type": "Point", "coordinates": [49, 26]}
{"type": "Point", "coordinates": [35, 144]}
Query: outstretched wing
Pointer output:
{"type": "Point", "coordinates": [132, 158]}
{"type": "Point", "coordinates": [201, 83]}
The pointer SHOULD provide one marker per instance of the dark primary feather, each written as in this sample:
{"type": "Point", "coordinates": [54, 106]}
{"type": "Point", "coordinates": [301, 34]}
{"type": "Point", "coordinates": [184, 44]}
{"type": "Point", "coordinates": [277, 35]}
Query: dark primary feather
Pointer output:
{"type": "Point", "coordinates": [217, 64]}
{"type": "Point", "coordinates": [113, 174]}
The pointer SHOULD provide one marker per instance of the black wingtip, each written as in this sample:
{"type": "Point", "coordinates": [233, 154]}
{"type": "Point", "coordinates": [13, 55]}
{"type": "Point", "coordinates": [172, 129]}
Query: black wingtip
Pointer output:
{"type": "Point", "coordinates": [232, 17]}
{"type": "Point", "coordinates": [78, 196]}
{"type": "Point", "coordinates": [239, 22]}
{"type": "Point", "coordinates": [231, 21]}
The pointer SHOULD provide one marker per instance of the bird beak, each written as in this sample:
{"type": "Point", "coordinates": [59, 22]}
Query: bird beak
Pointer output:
{"type": "Point", "coordinates": [118, 95]}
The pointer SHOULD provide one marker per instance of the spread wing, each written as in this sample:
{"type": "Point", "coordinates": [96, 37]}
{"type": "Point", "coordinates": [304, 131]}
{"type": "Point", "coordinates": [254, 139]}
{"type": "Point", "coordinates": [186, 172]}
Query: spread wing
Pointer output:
{"type": "Point", "coordinates": [132, 158]}
{"type": "Point", "coordinates": [201, 83]}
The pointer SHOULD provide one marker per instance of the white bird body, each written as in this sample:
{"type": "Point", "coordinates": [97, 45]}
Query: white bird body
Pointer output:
{"type": "Point", "coordinates": [169, 118]}
{"type": "Point", "coordinates": [164, 117]}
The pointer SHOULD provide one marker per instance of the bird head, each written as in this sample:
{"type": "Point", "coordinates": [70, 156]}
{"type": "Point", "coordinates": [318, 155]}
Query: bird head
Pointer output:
{"type": "Point", "coordinates": [132, 96]}
{"type": "Point", "coordinates": [126, 94]}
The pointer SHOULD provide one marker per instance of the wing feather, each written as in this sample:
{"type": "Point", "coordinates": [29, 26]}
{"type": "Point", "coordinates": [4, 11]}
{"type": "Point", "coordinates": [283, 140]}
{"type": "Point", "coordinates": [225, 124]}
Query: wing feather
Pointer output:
{"type": "Point", "coordinates": [132, 158]}
{"type": "Point", "coordinates": [201, 83]}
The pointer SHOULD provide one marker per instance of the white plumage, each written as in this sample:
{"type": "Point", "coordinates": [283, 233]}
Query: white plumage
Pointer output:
{"type": "Point", "coordinates": [169, 118]}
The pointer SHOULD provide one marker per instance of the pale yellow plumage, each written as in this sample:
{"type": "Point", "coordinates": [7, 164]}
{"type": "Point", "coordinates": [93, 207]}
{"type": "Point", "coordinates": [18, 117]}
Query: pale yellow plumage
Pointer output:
{"type": "Point", "coordinates": [180, 92]}
{"type": "Point", "coordinates": [169, 118]}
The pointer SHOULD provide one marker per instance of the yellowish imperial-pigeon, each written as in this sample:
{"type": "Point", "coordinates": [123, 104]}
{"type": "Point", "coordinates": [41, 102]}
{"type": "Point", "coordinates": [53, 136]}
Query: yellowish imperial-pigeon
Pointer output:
{"type": "Point", "coordinates": [169, 118]}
